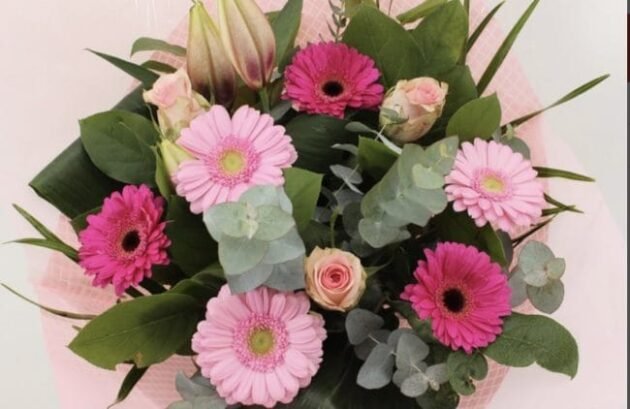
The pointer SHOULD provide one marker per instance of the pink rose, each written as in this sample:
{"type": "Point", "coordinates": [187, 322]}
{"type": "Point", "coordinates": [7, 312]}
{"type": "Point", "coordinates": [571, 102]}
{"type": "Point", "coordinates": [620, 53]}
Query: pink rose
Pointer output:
{"type": "Point", "coordinates": [177, 103]}
{"type": "Point", "coordinates": [335, 279]}
{"type": "Point", "coordinates": [417, 104]}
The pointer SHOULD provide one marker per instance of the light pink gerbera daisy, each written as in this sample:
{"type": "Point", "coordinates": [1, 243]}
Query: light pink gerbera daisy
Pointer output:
{"type": "Point", "coordinates": [495, 184]}
{"type": "Point", "coordinates": [260, 347]}
{"type": "Point", "coordinates": [463, 293]}
{"type": "Point", "coordinates": [125, 239]}
{"type": "Point", "coordinates": [327, 78]}
{"type": "Point", "coordinates": [230, 156]}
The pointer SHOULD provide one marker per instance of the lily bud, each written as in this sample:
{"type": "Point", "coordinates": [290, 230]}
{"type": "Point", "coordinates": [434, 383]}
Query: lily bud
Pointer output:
{"type": "Point", "coordinates": [248, 40]}
{"type": "Point", "coordinates": [208, 65]}
{"type": "Point", "coordinates": [411, 108]}
{"type": "Point", "coordinates": [173, 155]}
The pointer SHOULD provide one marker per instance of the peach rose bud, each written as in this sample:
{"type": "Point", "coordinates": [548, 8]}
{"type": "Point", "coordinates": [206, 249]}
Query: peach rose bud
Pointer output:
{"type": "Point", "coordinates": [248, 40]}
{"type": "Point", "coordinates": [177, 103]}
{"type": "Point", "coordinates": [207, 61]}
{"type": "Point", "coordinates": [411, 108]}
{"type": "Point", "coordinates": [335, 279]}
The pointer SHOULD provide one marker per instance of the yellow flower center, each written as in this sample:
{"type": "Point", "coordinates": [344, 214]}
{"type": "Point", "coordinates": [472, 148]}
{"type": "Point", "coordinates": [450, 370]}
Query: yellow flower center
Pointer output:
{"type": "Point", "coordinates": [232, 162]}
{"type": "Point", "coordinates": [261, 341]}
{"type": "Point", "coordinates": [493, 184]}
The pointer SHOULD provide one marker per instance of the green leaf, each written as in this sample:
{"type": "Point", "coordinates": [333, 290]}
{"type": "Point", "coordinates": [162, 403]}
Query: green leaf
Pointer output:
{"type": "Point", "coordinates": [238, 255]}
{"type": "Point", "coordinates": [273, 223]}
{"type": "Point", "coordinates": [191, 248]}
{"type": "Point", "coordinates": [132, 378]}
{"type": "Point", "coordinates": [377, 370]}
{"type": "Point", "coordinates": [37, 225]}
{"type": "Point", "coordinates": [420, 11]}
{"type": "Point", "coordinates": [145, 76]}
{"type": "Point", "coordinates": [375, 158]}
{"type": "Point", "coordinates": [285, 28]}
{"type": "Point", "coordinates": [154, 44]}
{"type": "Point", "coordinates": [146, 330]}
{"type": "Point", "coordinates": [80, 222]}
{"type": "Point", "coordinates": [441, 37]}
{"type": "Point", "coordinates": [162, 178]}
{"type": "Point", "coordinates": [51, 245]}
{"type": "Point", "coordinates": [313, 137]}
{"type": "Point", "coordinates": [504, 49]}
{"type": "Point", "coordinates": [558, 173]}
{"type": "Point", "coordinates": [410, 351]}
{"type": "Point", "coordinates": [360, 324]}
{"type": "Point", "coordinates": [547, 298]}
{"type": "Point", "coordinates": [534, 338]}
{"type": "Point", "coordinates": [461, 89]}
{"type": "Point", "coordinates": [460, 228]}
{"type": "Point", "coordinates": [463, 368]}
{"type": "Point", "coordinates": [201, 287]}
{"type": "Point", "coordinates": [303, 188]}
{"type": "Point", "coordinates": [158, 66]}
{"type": "Point", "coordinates": [571, 95]}
{"type": "Point", "coordinates": [479, 118]}
{"type": "Point", "coordinates": [444, 398]}
{"type": "Point", "coordinates": [119, 144]}
{"type": "Point", "coordinates": [558, 204]}
{"type": "Point", "coordinates": [54, 311]}
{"type": "Point", "coordinates": [388, 44]}
{"type": "Point", "coordinates": [482, 26]}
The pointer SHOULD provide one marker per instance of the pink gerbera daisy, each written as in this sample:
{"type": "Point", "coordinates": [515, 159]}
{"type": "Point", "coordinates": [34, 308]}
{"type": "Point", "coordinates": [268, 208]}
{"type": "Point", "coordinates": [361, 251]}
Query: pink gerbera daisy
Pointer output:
{"type": "Point", "coordinates": [495, 184]}
{"type": "Point", "coordinates": [260, 347]}
{"type": "Point", "coordinates": [463, 293]}
{"type": "Point", "coordinates": [230, 156]}
{"type": "Point", "coordinates": [125, 239]}
{"type": "Point", "coordinates": [327, 78]}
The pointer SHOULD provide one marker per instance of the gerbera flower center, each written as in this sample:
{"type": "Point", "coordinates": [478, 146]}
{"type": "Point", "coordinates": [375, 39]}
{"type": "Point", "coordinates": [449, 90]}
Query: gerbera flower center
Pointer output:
{"type": "Point", "coordinates": [261, 341]}
{"type": "Point", "coordinates": [232, 162]}
{"type": "Point", "coordinates": [454, 300]}
{"type": "Point", "coordinates": [130, 241]}
{"type": "Point", "coordinates": [493, 184]}
{"type": "Point", "coordinates": [332, 88]}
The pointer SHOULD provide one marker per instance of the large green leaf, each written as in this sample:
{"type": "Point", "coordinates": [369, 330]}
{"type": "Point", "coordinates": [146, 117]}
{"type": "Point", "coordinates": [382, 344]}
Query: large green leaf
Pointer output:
{"type": "Point", "coordinates": [479, 118]}
{"type": "Point", "coordinates": [302, 187]}
{"type": "Point", "coordinates": [119, 144]}
{"type": "Point", "coordinates": [145, 76]}
{"type": "Point", "coordinates": [71, 182]}
{"type": "Point", "coordinates": [441, 37]}
{"type": "Point", "coordinates": [285, 28]}
{"type": "Point", "coordinates": [534, 338]}
{"type": "Point", "coordinates": [386, 41]}
{"type": "Point", "coordinates": [420, 11]}
{"type": "Point", "coordinates": [504, 49]}
{"type": "Point", "coordinates": [191, 248]}
{"type": "Point", "coordinates": [313, 137]}
{"type": "Point", "coordinates": [375, 158]}
{"type": "Point", "coordinates": [146, 330]}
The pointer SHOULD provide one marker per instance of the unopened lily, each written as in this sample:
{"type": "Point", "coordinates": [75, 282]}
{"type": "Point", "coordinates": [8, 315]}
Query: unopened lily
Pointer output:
{"type": "Point", "coordinates": [173, 155]}
{"type": "Point", "coordinates": [209, 67]}
{"type": "Point", "coordinates": [249, 41]}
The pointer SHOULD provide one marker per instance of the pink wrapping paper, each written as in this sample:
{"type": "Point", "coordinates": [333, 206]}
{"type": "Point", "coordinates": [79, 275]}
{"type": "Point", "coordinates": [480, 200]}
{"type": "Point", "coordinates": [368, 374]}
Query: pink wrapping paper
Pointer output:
{"type": "Point", "coordinates": [64, 286]}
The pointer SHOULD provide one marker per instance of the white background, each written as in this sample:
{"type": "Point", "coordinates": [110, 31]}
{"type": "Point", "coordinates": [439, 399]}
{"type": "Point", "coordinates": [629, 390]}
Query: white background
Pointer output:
{"type": "Point", "coordinates": [49, 81]}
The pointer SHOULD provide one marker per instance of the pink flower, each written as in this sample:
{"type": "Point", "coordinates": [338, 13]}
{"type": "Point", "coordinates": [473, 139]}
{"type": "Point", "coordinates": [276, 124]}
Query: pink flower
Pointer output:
{"type": "Point", "coordinates": [463, 293]}
{"type": "Point", "coordinates": [496, 185]}
{"type": "Point", "coordinates": [177, 103]}
{"type": "Point", "coordinates": [335, 279]}
{"type": "Point", "coordinates": [260, 347]}
{"type": "Point", "coordinates": [327, 78]}
{"type": "Point", "coordinates": [230, 156]}
{"type": "Point", "coordinates": [419, 101]}
{"type": "Point", "coordinates": [125, 239]}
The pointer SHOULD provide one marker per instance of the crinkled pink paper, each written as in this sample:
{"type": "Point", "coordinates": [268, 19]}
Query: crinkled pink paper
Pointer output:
{"type": "Point", "coordinates": [82, 386]}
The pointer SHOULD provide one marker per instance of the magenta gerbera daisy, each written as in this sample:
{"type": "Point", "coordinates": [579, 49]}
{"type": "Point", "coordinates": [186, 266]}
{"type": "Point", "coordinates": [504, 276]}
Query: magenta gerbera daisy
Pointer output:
{"type": "Point", "coordinates": [125, 239]}
{"type": "Point", "coordinates": [495, 184]}
{"type": "Point", "coordinates": [260, 347]}
{"type": "Point", "coordinates": [231, 155]}
{"type": "Point", "coordinates": [327, 78]}
{"type": "Point", "coordinates": [463, 293]}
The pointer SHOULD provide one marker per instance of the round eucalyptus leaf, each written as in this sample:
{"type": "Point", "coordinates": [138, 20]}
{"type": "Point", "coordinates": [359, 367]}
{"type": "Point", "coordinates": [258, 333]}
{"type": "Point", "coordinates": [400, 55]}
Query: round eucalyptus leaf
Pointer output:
{"type": "Point", "coordinates": [360, 324]}
{"type": "Point", "coordinates": [238, 255]}
{"type": "Point", "coordinates": [426, 178]}
{"type": "Point", "coordinates": [288, 247]}
{"type": "Point", "coordinates": [414, 386]}
{"type": "Point", "coordinates": [362, 351]}
{"type": "Point", "coordinates": [555, 268]}
{"type": "Point", "coordinates": [534, 257]}
{"type": "Point", "coordinates": [287, 276]}
{"type": "Point", "coordinates": [411, 350]}
{"type": "Point", "coordinates": [227, 218]}
{"type": "Point", "coordinates": [437, 374]}
{"type": "Point", "coordinates": [273, 223]}
{"type": "Point", "coordinates": [393, 339]}
{"type": "Point", "coordinates": [376, 372]}
{"type": "Point", "coordinates": [547, 299]}
{"type": "Point", "coordinates": [250, 279]}
{"type": "Point", "coordinates": [518, 287]}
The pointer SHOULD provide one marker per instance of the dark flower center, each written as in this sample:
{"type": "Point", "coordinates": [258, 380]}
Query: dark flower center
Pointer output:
{"type": "Point", "coordinates": [332, 88]}
{"type": "Point", "coordinates": [454, 300]}
{"type": "Point", "coordinates": [131, 241]}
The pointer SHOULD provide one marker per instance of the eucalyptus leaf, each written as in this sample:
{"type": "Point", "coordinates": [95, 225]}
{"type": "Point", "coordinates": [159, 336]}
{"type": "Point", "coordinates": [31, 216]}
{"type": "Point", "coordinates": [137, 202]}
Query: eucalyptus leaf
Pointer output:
{"type": "Point", "coordinates": [360, 324]}
{"type": "Point", "coordinates": [410, 351]}
{"type": "Point", "coordinates": [437, 374]}
{"type": "Point", "coordinates": [518, 287]}
{"type": "Point", "coordinates": [377, 370]}
{"type": "Point", "coordinates": [238, 255]}
{"type": "Point", "coordinates": [363, 350]}
{"type": "Point", "coordinates": [348, 175]}
{"type": "Point", "coordinates": [463, 369]}
{"type": "Point", "coordinates": [534, 338]}
{"type": "Point", "coordinates": [415, 385]}
{"type": "Point", "coordinates": [547, 298]}
{"type": "Point", "coordinates": [273, 223]}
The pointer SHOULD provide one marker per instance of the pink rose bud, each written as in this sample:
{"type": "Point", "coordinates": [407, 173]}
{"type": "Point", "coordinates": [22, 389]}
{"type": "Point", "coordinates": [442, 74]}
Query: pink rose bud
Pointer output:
{"type": "Point", "coordinates": [248, 40]}
{"type": "Point", "coordinates": [335, 279]}
{"type": "Point", "coordinates": [173, 155]}
{"type": "Point", "coordinates": [177, 103]}
{"type": "Point", "coordinates": [207, 61]}
{"type": "Point", "coordinates": [411, 108]}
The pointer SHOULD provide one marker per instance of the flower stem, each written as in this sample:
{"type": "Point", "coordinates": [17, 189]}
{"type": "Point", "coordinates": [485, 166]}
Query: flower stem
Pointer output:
{"type": "Point", "coordinates": [264, 100]}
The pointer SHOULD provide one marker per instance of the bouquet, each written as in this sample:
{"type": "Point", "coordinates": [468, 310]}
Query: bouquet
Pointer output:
{"type": "Point", "coordinates": [345, 224]}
